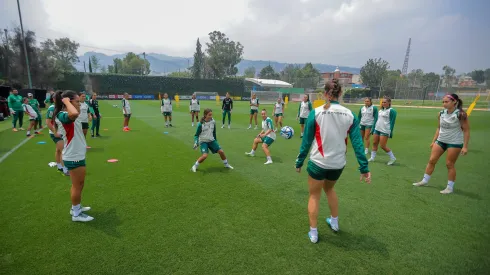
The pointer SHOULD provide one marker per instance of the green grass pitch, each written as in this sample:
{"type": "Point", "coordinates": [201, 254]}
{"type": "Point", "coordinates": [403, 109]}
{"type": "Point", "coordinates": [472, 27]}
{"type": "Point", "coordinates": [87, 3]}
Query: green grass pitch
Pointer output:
{"type": "Point", "coordinates": [154, 216]}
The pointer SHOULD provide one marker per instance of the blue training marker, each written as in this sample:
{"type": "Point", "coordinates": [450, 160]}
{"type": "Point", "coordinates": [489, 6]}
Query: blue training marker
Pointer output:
{"type": "Point", "coordinates": [165, 133]}
{"type": "Point", "coordinates": [41, 142]}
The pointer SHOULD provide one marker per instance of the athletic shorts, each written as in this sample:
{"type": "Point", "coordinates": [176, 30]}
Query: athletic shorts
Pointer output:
{"type": "Point", "coordinates": [278, 115]}
{"type": "Point", "coordinates": [364, 127]}
{"type": "Point", "coordinates": [56, 139]}
{"type": "Point", "coordinates": [319, 173]}
{"type": "Point", "coordinates": [70, 165]}
{"type": "Point", "coordinates": [213, 146]}
{"type": "Point", "coordinates": [194, 111]}
{"type": "Point", "coordinates": [376, 132]}
{"type": "Point", "coordinates": [84, 125]}
{"type": "Point", "coordinates": [268, 141]}
{"type": "Point", "coordinates": [127, 115]}
{"type": "Point", "coordinates": [445, 146]}
{"type": "Point", "coordinates": [167, 113]}
{"type": "Point", "coordinates": [32, 119]}
{"type": "Point", "coordinates": [302, 120]}
{"type": "Point", "coordinates": [253, 111]}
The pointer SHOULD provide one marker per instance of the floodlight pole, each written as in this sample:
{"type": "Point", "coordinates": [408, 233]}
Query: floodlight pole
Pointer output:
{"type": "Point", "coordinates": [25, 48]}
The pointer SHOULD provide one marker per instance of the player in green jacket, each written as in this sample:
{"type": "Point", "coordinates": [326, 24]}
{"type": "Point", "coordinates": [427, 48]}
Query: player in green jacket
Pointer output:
{"type": "Point", "coordinates": [16, 109]}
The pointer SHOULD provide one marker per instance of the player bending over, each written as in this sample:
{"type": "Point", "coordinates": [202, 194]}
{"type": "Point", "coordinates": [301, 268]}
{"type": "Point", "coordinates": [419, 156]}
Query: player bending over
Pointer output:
{"type": "Point", "coordinates": [31, 113]}
{"type": "Point", "coordinates": [266, 137]}
{"type": "Point", "coordinates": [205, 137]}
{"type": "Point", "coordinates": [166, 109]}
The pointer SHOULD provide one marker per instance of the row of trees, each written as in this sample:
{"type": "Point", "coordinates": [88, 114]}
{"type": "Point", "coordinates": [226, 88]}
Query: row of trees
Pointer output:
{"type": "Point", "coordinates": [130, 64]}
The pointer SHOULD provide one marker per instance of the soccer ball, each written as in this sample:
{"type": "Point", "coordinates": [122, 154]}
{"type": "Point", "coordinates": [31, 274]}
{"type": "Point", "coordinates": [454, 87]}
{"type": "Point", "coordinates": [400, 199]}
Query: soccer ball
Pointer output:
{"type": "Point", "coordinates": [287, 132]}
{"type": "Point", "coordinates": [115, 106]}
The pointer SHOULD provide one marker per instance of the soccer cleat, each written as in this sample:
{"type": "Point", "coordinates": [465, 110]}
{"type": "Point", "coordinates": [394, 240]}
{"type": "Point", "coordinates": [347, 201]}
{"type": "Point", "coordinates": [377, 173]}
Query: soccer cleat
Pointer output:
{"type": "Point", "coordinates": [82, 209]}
{"type": "Point", "coordinates": [229, 126]}
{"type": "Point", "coordinates": [15, 130]}
{"type": "Point", "coordinates": [268, 162]}
{"type": "Point", "coordinates": [256, 127]}
{"type": "Point", "coordinates": [250, 154]}
{"type": "Point", "coordinates": [166, 126]}
{"type": "Point", "coordinates": [22, 129]}
{"type": "Point", "coordinates": [228, 166]}
{"type": "Point", "coordinates": [391, 161]}
{"type": "Point", "coordinates": [420, 183]}
{"type": "Point", "coordinates": [194, 168]}
{"type": "Point", "coordinates": [249, 127]}
{"type": "Point", "coordinates": [366, 151]}
{"type": "Point", "coordinates": [313, 239]}
{"type": "Point", "coordinates": [192, 124]}
{"type": "Point", "coordinates": [82, 217]}
{"type": "Point", "coordinates": [36, 132]}
{"type": "Point", "coordinates": [371, 159]}
{"type": "Point", "coordinates": [28, 135]}
{"type": "Point", "coordinates": [223, 126]}
{"type": "Point", "coordinates": [334, 227]}
{"type": "Point", "coordinates": [447, 191]}
{"type": "Point", "coordinates": [170, 125]}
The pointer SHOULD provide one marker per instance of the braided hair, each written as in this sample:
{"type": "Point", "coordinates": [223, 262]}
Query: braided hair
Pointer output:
{"type": "Point", "coordinates": [333, 89]}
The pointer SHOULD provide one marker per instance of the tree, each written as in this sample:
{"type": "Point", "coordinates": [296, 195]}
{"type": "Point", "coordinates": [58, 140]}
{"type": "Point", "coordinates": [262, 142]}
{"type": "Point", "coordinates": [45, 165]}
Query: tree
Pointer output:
{"type": "Point", "coordinates": [103, 69]}
{"type": "Point", "coordinates": [133, 64]}
{"type": "Point", "coordinates": [487, 77]}
{"type": "Point", "coordinates": [224, 55]}
{"type": "Point", "coordinates": [180, 74]}
{"type": "Point", "coordinates": [197, 68]}
{"type": "Point", "coordinates": [64, 51]}
{"type": "Point", "coordinates": [250, 72]}
{"type": "Point", "coordinates": [290, 73]}
{"type": "Point", "coordinates": [478, 76]}
{"type": "Point", "coordinates": [268, 73]}
{"type": "Point", "coordinates": [373, 72]}
{"type": "Point", "coordinates": [90, 65]}
{"type": "Point", "coordinates": [448, 75]}
{"type": "Point", "coordinates": [95, 63]}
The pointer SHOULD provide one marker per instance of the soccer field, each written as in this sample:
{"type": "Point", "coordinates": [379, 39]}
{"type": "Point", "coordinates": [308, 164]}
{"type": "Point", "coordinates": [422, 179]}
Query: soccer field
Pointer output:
{"type": "Point", "coordinates": [154, 216]}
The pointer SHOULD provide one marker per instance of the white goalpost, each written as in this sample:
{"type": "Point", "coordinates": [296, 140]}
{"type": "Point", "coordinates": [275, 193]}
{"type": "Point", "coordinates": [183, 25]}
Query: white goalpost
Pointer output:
{"type": "Point", "coordinates": [267, 97]}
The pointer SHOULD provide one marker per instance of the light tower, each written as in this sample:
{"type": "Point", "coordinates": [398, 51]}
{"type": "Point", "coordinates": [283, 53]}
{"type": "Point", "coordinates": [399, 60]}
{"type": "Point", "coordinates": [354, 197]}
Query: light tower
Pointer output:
{"type": "Point", "coordinates": [407, 57]}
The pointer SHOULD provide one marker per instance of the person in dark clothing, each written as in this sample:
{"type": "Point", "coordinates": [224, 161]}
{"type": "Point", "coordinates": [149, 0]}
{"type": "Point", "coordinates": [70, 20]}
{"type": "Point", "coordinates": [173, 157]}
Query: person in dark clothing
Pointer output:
{"type": "Point", "coordinates": [94, 104]}
{"type": "Point", "coordinates": [227, 107]}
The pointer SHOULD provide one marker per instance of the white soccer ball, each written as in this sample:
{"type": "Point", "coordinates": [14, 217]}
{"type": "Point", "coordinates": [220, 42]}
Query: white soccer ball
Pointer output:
{"type": "Point", "coordinates": [115, 106]}
{"type": "Point", "coordinates": [287, 132]}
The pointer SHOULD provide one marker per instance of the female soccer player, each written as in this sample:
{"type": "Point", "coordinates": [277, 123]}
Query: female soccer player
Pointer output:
{"type": "Point", "coordinates": [383, 129]}
{"type": "Point", "coordinates": [303, 112]}
{"type": "Point", "coordinates": [266, 137]}
{"type": "Point", "coordinates": [328, 126]}
{"type": "Point", "coordinates": [85, 115]}
{"type": "Point", "coordinates": [227, 107]}
{"type": "Point", "coordinates": [166, 109]}
{"type": "Point", "coordinates": [35, 105]}
{"type": "Point", "coordinates": [66, 111]}
{"type": "Point", "coordinates": [194, 108]}
{"type": "Point", "coordinates": [452, 135]}
{"type": "Point", "coordinates": [278, 112]}
{"type": "Point", "coordinates": [368, 114]}
{"type": "Point", "coordinates": [56, 137]}
{"type": "Point", "coordinates": [29, 111]}
{"type": "Point", "coordinates": [254, 109]}
{"type": "Point", "coordinates": [16, 109]}
{"type": "Point", "coordinates": [94, 104]}
{"type": "Point", "coordinates": [126, 112]}
{"type": "Point", "coordinates": [205, 137]}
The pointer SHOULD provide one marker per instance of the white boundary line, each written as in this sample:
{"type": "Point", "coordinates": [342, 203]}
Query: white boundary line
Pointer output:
{"type": "Point", "coordinates": [6, 155]}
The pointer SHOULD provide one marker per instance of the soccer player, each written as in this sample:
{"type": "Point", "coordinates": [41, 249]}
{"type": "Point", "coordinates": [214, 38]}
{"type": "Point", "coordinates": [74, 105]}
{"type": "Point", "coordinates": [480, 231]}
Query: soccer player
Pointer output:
{"type": "Point", "coordinates": [66, 112]}
{"type": "Point", "coordinates": [56, 137]}
{"type": "Point", "coordinates": [303, 112]}
{"type": "Point", "coordinates": [126, 112]}
{"type": "Point", "coordinates": [166, 109]}
{"type": "Point", "coordinates": [194, 108]}
{"type": "Point", "coordinates": [266, 137]}
{"type": "Point", "coordinates": [32, 116]}
{"type": "Point", "coordinates": [205, 138]}
{"type": "Point", "coordinates": [383, 129]}
{"type": "Point", "coordinates": [254, 109]}
{"type": "Point", "coordinates": [368, 114]}
{"type": "Point", "coordinates": [16, 109]}
{"type": "Point", "coordinates": [227, 108]}
{"type": "Point", "coordinates": [452, 135]}
{"type": "Point", "coordinates": [278, 112]}
{"type": "Point", "coordinates": [35, 105]}
{"type": "Point", "coordinates": [85, 115]}
{"type": "Point", "coordinates": [94, 104]}
{"type": "Point", "coordinates": [327, 128]}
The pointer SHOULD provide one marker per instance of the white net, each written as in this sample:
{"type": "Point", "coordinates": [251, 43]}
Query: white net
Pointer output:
{"type": "Point", "coordinates": [206, 95]}
{"type": "Point", "coordinates": [267, 97]}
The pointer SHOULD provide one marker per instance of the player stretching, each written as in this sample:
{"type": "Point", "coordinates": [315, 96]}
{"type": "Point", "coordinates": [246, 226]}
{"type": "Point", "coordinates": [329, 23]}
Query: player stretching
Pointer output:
{"type": "Point", "coordinates": [126, 112]}
{"type": "Point", "coordinates": [303, 112]}
{"type": "Point", "coordinates": [166, 109]}
{"type": "Point", "coordinates": [194, 108]}
{"type": "Point", "coordinates": [266, 137]}
{"type": "Point", "coordinates": [29, 111]}
{"type": "Point", "coordinates": [383, 129]}
{"type": "Point", "coordinates": [278, 112]}
{"type": "Point", "coordinates": [254, 109]}
{"type": "Point", "coordinates": [66, 111]}
{"type": "Point", "coordinates": [56, 137]}
{"type": "Point", "coordinates": [227, 107]}
{"type": "Point", "coordinates": [326, 130]}
{"type": "Point", "coordinates": [452, 135]}
{"type": "Point", "coordinates": [35, 105]}
{"type": "Point", "coordinates": [368, 115]}
{"type": "Point", "coordinates": [205, 137]}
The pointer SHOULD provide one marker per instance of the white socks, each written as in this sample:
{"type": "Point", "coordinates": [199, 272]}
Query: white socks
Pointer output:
{"type": "Point", "coordinates": [225, 162]}
{"type": "Point", "coordinates": [76, 209]}
{"type": "Point", "coordinates": [450, 184]}
{"type": "Point", "coordinates": [196, 164]}
{"type": "Point", "coordinates": [59, 165]}
{"type": "Point", "coordinates": [373, 154]}
{"type": "Point", "coordinates": [390, 153]}
{"type": "Point", "coordinates": [269, 159]}
{"type": "Point", "coordinates": [252, 152]}
{"type": "Point", "coordinates": [426, 178]}
{"type": "Point", "coordinates": [313, 232]}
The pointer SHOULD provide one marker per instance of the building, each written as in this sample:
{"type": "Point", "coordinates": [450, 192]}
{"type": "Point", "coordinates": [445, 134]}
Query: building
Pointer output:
{"type": "Point", "coordinates": [345, 78]}
{"type": "Point", "coordinates": [466, 81]}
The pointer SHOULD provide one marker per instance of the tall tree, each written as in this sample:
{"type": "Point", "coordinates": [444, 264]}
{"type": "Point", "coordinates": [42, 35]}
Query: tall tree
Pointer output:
{"type": "Point", "coordinates": [373, 72]}
{"type": "Point", "coordinates": [487, 77]}
{"type": "Point", "coordinates": [224, 54]}
{"type": "Point", "coordinates": [290, 73]}
{"type": "Point", "coordinates": [64, 51]}
{"type": "Point", "coordinates": [197, 68]}
{"type": "Point", "coordinates": [90, 65]}
{"type": "Point", "coordinates": [268, 73]}
{"type": "Point", "coordinates": [478, 76]}
{"type": "Point", "coordinates": [448, 75]}
{"type": "Point", "coordinates": [133, 64]}
{"type": "Point", "coordinates": [95, 63]}
{"type": "Point", "coordinates": [250, 72]}
{"type": "Point", "coordinates": [103, 69]}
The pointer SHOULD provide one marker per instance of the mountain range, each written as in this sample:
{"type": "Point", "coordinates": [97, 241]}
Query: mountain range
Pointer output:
{"type": "Point", "coordinates": [162, 64]}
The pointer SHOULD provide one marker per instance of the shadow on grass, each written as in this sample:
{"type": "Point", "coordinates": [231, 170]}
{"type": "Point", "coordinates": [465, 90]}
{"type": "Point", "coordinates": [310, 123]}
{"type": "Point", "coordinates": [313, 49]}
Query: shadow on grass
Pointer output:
{"type": "Point", "coordinates": [95, 149]}
{"type": "Point", "coordinates": [457, 192]}
{"type": "Point", "coordinates": [106, 222]}
{"type": "Point", "coordinates": [352, 242]}
{"type": "Point", "coordinates": [215, 169]}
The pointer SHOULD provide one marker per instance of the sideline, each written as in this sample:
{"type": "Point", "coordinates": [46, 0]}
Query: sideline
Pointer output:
{"type": "Point", "coordinates": [6, 155]}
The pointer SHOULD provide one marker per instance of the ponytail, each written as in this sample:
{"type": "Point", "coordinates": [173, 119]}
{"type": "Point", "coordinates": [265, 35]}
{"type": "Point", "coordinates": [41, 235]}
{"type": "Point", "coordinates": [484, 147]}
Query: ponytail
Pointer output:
{"type": "Point", "coordinates": [58, 103]}
{"type": "Point", "coordinates": [459, 105]}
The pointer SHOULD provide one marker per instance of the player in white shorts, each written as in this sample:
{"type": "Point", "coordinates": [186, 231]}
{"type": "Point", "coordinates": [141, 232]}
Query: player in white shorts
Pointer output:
{"type": "Point", "coordinates": [267, 136]}
{"type": "Point", "coordinates": [326, 131]}
{"type": "Point", "coordinates": [31, 113]}
{"type": "Point", "coordinates": [166, 109]}
{"type": "Point", "coordinates": [66, 112]}
{"type": "Point", "coordinates": [452, 135]}
{"type": "Point", "coordinates": [278, 113]}
{"type": "Point", "coordinates": [368, 114]}
{"type": "Point", "coordinates": [254, 110]}
{"type": "Point", "coordinates": [383, 129]}
{"type": "Point", "coordinates": [194, 109]}
{"type": "Point", "coordinates": [303, 112]}
{"type": "Point", "coordinates": [126, 112]}
{"type": "Point", "coordinates": [85, 116]}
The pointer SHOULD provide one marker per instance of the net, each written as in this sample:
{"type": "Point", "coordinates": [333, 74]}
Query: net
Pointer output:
{"type": "Point", "coordinates": [267, 97]}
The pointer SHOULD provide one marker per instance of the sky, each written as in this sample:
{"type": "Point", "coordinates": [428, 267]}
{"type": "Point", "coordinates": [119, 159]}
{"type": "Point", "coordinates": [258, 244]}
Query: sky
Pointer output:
{"type": "Point", "coordinates": [337, 32]}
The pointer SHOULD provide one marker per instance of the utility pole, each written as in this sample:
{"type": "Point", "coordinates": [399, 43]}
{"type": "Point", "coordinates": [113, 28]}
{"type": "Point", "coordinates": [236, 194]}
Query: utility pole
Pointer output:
{"type": "Point", "coordinates": [7, 64]}
{"type": "Point", "coordinates": [25, 47]}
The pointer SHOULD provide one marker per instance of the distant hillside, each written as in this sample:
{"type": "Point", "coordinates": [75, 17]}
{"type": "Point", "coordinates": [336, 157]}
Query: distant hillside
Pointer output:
{"type": "Point", "coordinates": [162, 64]}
